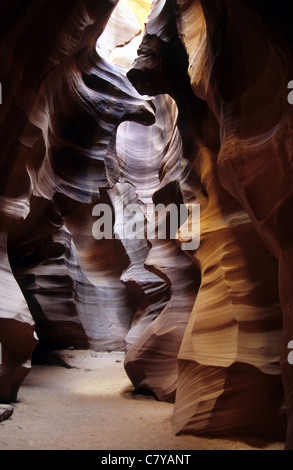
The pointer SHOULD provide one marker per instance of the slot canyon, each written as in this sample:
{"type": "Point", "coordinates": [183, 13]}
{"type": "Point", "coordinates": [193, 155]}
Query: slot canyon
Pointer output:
{"type": "Point", "coordinates": [110, 108]}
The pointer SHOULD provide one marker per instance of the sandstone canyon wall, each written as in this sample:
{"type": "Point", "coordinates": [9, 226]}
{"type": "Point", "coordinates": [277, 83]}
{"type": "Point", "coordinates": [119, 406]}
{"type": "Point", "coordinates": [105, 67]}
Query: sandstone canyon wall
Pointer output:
{"type": "Point", "coordinates": [103, 111]}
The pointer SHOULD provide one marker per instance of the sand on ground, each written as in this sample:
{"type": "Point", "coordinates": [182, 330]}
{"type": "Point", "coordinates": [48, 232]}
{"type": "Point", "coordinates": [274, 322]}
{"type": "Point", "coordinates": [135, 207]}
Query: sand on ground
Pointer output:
{"type": "Point", "coordinates": [92, 407]}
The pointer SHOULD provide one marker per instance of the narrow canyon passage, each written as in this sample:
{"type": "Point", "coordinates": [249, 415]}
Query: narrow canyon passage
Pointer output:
{"type": "Point", "coordinates": [146, 202]}
{"type": "Point", "coordinates": [92, 407]}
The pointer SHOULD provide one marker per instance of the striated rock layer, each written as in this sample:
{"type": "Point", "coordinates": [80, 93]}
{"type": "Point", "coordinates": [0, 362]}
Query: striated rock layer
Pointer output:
{"type": "Point", "coordinates": [229, 374]}
{"type": "Point", "coordinates": [243, 76]}
{"type": "Point", "coordinates": [151, 359]}
{"type": "Point", "coordinates": [198, 115]}
{"type": "Point", "coordinates": [61, 110]}
{"type": "Point", "coordinates": [17, 337]}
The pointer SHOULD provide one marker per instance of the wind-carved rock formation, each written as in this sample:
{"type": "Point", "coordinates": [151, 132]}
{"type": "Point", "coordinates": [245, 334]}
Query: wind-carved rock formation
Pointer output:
{"type": "Point", "coordinates": [47, 269]}
{"type": "Point", "coordinates": [229, 375]}
{"type": "Point", "coordinates": [17, 337]}
{"type": "Point", "coordinates": [151, 359]}
{"type": "Point", "coordinates": [245, 84]}
{"type": "Point", "coordinates": [160, 276]}
{"type": "Point", "coordinates": [209, 327]}
{"type": "Point", "coordinates": [60, 156]}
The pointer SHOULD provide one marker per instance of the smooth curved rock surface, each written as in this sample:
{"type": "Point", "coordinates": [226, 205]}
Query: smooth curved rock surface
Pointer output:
{"type": "Point", "coordinates": [245, 84]}
{"type": "Point", "coordinates": [46, 267]}
{"type": "Point", "coordinates": [17, 335]}
{"type": "Point", "coordinates": [151, 360]}
{"type": "Point", "coordinates": [58, 157]}
{"type": "Point", "coordinates": [208, 122]}
{"type": "Point", "coordinates": [235, 328]}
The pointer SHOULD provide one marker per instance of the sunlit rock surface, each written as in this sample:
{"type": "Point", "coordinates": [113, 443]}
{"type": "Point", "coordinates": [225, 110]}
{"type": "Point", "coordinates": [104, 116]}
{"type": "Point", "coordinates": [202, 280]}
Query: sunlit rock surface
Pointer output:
{"type": "Point", "coordinates": [100, 110]}
{"type": "Point", "coordinates": [233, 336]}
{"type": "Point", "coordinates": [243, 76]}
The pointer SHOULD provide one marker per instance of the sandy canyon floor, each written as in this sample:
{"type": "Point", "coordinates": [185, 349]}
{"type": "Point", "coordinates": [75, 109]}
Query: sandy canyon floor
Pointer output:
{"type": "Point", "coordinates": [91, 406]}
